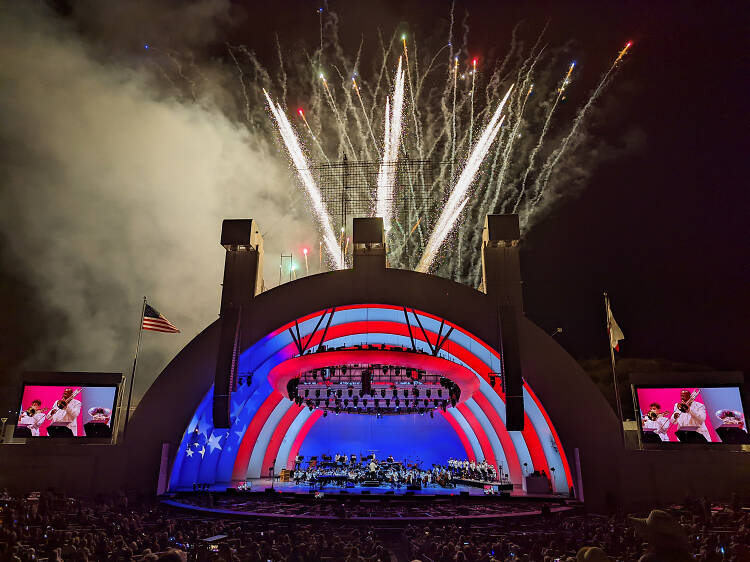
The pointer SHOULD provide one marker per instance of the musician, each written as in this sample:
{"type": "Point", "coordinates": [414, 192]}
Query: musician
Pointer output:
{"type": "Point", "coordinates": [657, 421]}
{"type": "Point", "coordinates": [100, 415]}
{"type": "Point", "coordinates": [689, 413]}
{"type": "Point", "coordinates": [32, 418]}
{"type": "Point", "coordinates": [66, 411]}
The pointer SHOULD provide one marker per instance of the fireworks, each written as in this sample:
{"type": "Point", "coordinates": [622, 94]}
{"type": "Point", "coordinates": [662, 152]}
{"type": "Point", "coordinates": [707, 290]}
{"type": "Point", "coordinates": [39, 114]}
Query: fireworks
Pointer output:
{"type": "Point", "coordinates": [457, 199]}
{"type": "Point", "coordinates": [391, 143]}
{"type": "Point", "coordinates": [495, 148]}
{"type": "Point", "coordinates": [303, 171]}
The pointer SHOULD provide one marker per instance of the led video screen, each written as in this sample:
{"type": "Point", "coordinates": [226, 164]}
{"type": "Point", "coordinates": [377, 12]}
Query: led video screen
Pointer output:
{"type": "Point", "coordinates": [66, 411]}
{"type": "Point", "coordinates": [692, 415]}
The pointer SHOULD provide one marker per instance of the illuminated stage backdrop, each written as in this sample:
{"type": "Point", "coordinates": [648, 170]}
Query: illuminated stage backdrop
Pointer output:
{"type": "Point", "coordinates": [268, 428]}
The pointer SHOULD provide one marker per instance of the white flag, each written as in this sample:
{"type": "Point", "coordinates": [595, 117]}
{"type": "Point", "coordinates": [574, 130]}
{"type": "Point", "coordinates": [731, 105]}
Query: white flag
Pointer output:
{"type": "Point", "coordinates": [614, 331]}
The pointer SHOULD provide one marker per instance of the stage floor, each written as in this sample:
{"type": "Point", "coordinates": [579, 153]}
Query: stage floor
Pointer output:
{"type": "Point", "coordinates": [262, 484]}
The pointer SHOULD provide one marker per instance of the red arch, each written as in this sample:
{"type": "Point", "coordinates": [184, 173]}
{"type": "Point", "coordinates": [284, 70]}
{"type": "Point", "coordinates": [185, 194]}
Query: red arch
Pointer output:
{"type": "Point", "coordinates": [511, 455]}
{"type": "Point", "coordinates": [566, 466]}
{"type": "Point", "coordinates": [476, 427]}
{"type": "Point", "coordinates": [278, 435]}
{"type": "Point", "coordinates": [461, 435]}
{"type": "Point", "coordinates": [301, 437]}
{"type": "Point", "coordinates": [245, 450]}
{"type": "Point", "coordinates": [532, 441]}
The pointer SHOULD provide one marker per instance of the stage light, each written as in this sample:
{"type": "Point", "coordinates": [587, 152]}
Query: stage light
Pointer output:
{"type": "Point", "coordinates": [328, 392]}
{"type": "Point", "coordinates": [429, 393]}
{"type": "Point", "coordinates": [377, 403]}
{"type": "Point", "coordinates": [382, 392]}
{"type": "Point", "coordinates": [307, 392]}
{"type": "Point", "coordinates": [385, 369]}
{"type": "Point", "coordinates": [343, 369]}
{"type": "Point", "coordinates": [387, 402]}
{"type": "Point", "coordinates": [356, 401]}
{"type": "Point", "coordinates": [346, 402]}
{"type": "Point", "coordinates": [364, 402]}
{"type": "Point", "coordinates": [425, 402]}
{"type": "Point", "coordinates": [338, 393]}
{"type": "Point", "coordinates": [420, 374]}
{"type": "Point", "coordinates": [325, 414]}
{"type": "Point", "coordinates": [317, 393]}
{"type": "Point", "coordinates": [398, 402]}
{"type": "Point", "coordinates": [397, 370]}
{"type": "Point", "coordinates": [432, 415]}
{"type": "Point", "coordinates": [351, 391]}
{"type": "Point", "coordinates": [440, 392]}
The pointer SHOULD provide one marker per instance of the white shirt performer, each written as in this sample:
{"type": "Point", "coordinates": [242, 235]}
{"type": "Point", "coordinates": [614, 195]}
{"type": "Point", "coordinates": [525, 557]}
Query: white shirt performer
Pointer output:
{"type": "Point", "coordinates": [32, 418]}
{"type": "Point", "coordinates": [67, 411]}
{"type": "Point", "coordinates": [657, 421]}
{"type": "Point", "coordinates": [693, 417]}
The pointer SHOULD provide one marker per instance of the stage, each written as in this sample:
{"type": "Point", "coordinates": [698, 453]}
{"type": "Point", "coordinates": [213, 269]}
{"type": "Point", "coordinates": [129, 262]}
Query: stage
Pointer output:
{"type": "Point", "coordinates": [289, 501]}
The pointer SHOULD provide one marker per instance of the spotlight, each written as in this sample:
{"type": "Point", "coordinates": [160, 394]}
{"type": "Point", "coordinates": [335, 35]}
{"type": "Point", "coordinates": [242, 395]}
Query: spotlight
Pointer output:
{"type": "Point", "coordinates": [351, 391]}
{"type": "Point", "coordinates": [356, 400]}
{"type": "Point", "coordinates": [307, 392]}
{"type": "Point", "coordinates": [343, 369]}
{"type": "Point", "coordinates": [317, 393]}
{"type": "Point", "coordinates": [385, 369]}
{"type": "Point", "coordinates": [346, 402]}
{"type": "Point", "coordinates": [382, 392]}
{"type": "Point", "coordinates": [398, 402]}
{"type": "Point", "coordinates": [420, 374]}
{"type": "Point", "coordinates": [432, 415]}
{"type": "Point", "coordinates": [429, 393]}
{"type": "Point", "coordinates": [440, 392]}
{"type": "Point", "coordinates": [397, 370]}
{"type": "Point", "coordinates": [377, 403]}
{"type": "Point", "coordinates": [387, 402]}
{"type": "Point", "coordinates": [338, 393]}
{"type": "Point", "coordinates": [364, 402]}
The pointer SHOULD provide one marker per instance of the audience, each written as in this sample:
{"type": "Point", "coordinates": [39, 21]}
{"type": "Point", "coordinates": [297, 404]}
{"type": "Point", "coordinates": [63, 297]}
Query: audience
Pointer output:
{"type": "Point", "coordinates": [48, 526]}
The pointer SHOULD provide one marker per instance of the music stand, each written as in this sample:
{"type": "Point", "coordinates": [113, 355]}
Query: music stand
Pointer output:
{"type": "Point", "coordinates": [733, 434]}
{"type": "Point", "coordinates": [22, 431]}
{"type": "Point", "coordinates": [690, 436]}
{"type": "Point", "coordinates": [59, 431]}
{"type": "Point", "coordinates": [651, 437]}
{"type": "Point", "coordinates": [97, 429]}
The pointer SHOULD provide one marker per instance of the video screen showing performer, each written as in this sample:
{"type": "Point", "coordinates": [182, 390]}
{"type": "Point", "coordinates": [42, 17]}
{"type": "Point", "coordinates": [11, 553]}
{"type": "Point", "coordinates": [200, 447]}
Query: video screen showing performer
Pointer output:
{"type": "Point", "coordinates": [692, 415]}
{"type": "Point", "coordinates": [66, 411]}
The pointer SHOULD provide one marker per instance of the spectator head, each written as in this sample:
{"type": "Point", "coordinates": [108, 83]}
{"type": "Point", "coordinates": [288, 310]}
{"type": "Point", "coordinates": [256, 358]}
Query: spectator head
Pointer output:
{"type": "Point", "coordinates": [591, 554]}
{"type": "Point", "coordinates": [661, 531]}
{"type": "Point", "coordinates": [173, 555]}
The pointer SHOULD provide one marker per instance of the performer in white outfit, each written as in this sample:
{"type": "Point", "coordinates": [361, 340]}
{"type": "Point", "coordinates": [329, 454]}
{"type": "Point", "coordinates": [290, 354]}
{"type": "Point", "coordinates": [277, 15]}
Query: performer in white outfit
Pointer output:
{"type": "Point", "coordinates": [32, 418]}
{"type": "Point", "coordinates": [66, 411]}
{"type": "Point", "coordinates": [657, 421]}
{"type": "Point", "coordinates": [691, 416]}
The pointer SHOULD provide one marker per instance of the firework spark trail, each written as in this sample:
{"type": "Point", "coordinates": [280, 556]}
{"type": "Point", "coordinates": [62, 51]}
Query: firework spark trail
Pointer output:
{"type": "Point", "coordinates": [513, 136]}
{"type": "Point", "coordinates": [413, 105]}
{"type": "Point", "coordinates": [453, 116]}
{"type": "Point", "coordinates": [387, 175]}
{"type": "Point", "coordinates": [554, 158]}
{"type": "Point", "coordinates": [473, 81]}
{"type": "Point", "coordinates": [364, 112]}
{"type": "Point", "coordinates": [449, 214]}
{"type": "Point", "coordinates": [542, 135]}
{"type": "Point", "coordinates": [303, 171]}
{"type": "Point", "coordinates": [314, 138]}
{"type": "Point", "coordinates": [335, 110]}
{"type": "Point", "coordinates": [242, 83]}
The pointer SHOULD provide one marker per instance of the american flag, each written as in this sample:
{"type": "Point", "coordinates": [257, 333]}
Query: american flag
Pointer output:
{"type": "Point", "coordinates": [154, 320]}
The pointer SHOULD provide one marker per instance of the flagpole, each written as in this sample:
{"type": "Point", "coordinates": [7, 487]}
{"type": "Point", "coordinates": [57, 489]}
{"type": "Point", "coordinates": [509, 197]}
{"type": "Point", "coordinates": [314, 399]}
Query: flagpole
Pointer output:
{"type": "Point", "coordinates": [135, 363]}
{"type": "Point", "coordinates": [607, 314]}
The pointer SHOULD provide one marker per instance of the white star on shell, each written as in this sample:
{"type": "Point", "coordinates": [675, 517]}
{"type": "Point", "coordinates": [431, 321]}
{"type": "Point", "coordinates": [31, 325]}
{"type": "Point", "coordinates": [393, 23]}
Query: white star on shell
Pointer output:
{"type": "Point", "coordinates": [241, 432]}
{"type": "Point", "coordinates": [189, 452]}
{"type": "Point", "coordinates": [213, 442]}
{"type": "Point", "coordinates": [202, 452]}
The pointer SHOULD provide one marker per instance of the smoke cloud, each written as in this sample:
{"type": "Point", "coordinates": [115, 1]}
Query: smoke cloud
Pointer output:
{"type": "Point", "coordinates": [112, 188]}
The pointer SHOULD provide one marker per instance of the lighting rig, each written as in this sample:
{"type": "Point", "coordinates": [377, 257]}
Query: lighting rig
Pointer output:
{"type": "Point", "coordinates": [373, 389]}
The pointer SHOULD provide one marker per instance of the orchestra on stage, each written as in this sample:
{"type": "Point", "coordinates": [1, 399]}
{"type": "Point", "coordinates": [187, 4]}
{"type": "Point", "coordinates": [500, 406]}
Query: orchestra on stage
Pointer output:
{"type": "Point", "coordinates": [351, 470]}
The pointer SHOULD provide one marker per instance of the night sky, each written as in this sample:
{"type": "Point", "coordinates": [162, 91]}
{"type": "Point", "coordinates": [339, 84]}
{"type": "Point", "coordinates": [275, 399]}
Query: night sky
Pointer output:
{"type": "Point", "coordinates": [663, 229]}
